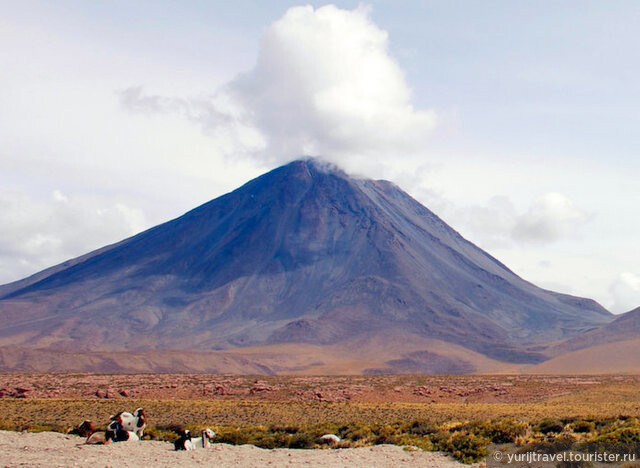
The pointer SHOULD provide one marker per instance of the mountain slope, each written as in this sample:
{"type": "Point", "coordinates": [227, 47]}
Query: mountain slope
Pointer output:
{"type": "Point", "coordinates": [625, 327]}
{"type": "Point", "coordinates": [614, 357]}
{"type": "Point", "coordinates": [302, 254]}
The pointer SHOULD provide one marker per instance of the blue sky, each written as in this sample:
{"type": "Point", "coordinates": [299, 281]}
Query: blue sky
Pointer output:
{"type": "Point", "coordinates": [515, 121]}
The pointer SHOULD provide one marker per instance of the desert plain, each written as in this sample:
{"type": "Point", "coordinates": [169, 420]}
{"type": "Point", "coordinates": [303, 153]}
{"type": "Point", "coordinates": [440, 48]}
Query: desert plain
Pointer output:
{"type": "Point", "coordinates": [261, 420]}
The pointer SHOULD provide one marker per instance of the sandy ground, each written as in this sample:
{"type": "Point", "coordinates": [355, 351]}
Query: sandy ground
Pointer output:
{"type": "Point", "coordinates": [51, 449]}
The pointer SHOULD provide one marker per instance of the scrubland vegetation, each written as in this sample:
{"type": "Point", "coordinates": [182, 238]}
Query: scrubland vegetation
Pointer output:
{"type": "Point", "coordinates": [596, 418]}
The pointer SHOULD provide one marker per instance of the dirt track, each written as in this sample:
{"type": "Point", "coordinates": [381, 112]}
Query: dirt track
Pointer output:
{"type": "Point", "coordinates": [52, 449]}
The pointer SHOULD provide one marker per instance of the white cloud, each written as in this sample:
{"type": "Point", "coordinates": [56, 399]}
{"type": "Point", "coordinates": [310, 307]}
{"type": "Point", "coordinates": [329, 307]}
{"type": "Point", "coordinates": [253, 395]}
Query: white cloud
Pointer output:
{"type": "Point", "coordinates": [219, 118]}
{"type": "Point", "coordinates": [498, 224]}
{"type": "Point", "coordinates": [324, 84]}
{"type": "Point", "coordinates": [625, 291]}
{"type": "Point", "coordinates": [490, 225]}
{"type": "Point", "coordinates": [551, 217]}
{"type": "Point", "coordinates": [35, 234]}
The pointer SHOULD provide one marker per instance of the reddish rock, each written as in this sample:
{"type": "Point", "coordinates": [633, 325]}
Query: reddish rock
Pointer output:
{"type": "Point", "coordinates": [22, 392]}
{"type": "Point", "coordinates": [100, 394]}
{"type": "Point", "coordinates": [422, 391]}
{"type": "Point", "coordinates": [125, 393]}
{"type": "Point", "coordinates": [260, 389]}
{"type": "Point", "coordinates": [221, 390]}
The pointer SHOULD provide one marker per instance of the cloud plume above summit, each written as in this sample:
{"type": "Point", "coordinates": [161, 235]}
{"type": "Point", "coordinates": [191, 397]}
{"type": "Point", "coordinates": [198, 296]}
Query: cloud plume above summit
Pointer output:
{"type": "Point", "coordinates": [324, 84]}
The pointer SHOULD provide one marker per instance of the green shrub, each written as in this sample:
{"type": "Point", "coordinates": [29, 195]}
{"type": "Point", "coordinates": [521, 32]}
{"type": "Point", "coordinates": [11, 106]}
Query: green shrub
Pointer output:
{"type": "Point", "coordinates": [548, 426]}
{"type": "Point", "coordinates": [161, 433]}
{"type": "Point", "coordinates": [440, 438]}
{"type": "Point", "coordinates": [285, 429]}
{"type": "Point", "coordinates": [8, 426]}
{"type": "Point", "coordinates": [358, 432]}
{"type": "Point", "coordinates": [607, 425]}
{"type": "Point", "coordinates": [268, 441]}
{"type": "Point", "coordinates": [583, 426]}
{"type": "Point", "coordinates": [467, 448]}
{"type": "Point", "coordinates": [507, 430]}
{"type": "Point", "coordinates": [557, 445]}
{"type": "Point", "coordinates": [302, 440]}
{"type": "Point", "coordinates": [233, 436]}
{"type": "Point", "coordinates": [622, 440]}
{"type": "Point", "coordinates": [416, 441]}
{"type": "Point", "coordinates": [422, 428]}
{"type": "Point", "coordinates": [499, 432]}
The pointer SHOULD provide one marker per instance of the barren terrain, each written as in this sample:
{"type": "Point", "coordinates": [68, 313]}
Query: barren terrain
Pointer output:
{"type": "Point", "coordinates": [460, 415]}
{"type": "Point", "coordinates": [327, 389]}
{"type": "Point", "coordinates": [53, 449]}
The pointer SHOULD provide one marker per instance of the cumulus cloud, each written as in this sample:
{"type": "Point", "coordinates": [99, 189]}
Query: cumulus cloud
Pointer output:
{"type": "Point", "coordinates": [551, 217]}
{"type": "Point", "coordinates": [35, 234]}
{"type": "Point", "coordinates": [489, 225]}
{"type": "Point", "coordinates": [625, 291]}
{"type": "Point", "coordinates": [217, 115]}
{"type": "Point", "coordinates": [498, 224]}
{"type": "Point", "coordinates": [324, 84]}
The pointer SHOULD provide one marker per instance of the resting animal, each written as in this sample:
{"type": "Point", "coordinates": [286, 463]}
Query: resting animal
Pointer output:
{"type": "Point", "coordinates": [184, 441]}
{"type": "Point", "coordinates": [126, 421]}
{"type": "Point", "coordinates": [330, 439]}
{"type": "Point", "coordinates": [202, 442]}
{"type": "Point", "coordinates": [87, 430]}
{"type": "Point", "coordinates": [120, 435]}
{"type": "Point", "coordinates": [84, 429]}
{"type": "Point", "coordinates": [97, 438]}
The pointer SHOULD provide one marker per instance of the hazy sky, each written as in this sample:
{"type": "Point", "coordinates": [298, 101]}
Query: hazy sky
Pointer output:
{"type": "Point", "coordinates": [515, 121]}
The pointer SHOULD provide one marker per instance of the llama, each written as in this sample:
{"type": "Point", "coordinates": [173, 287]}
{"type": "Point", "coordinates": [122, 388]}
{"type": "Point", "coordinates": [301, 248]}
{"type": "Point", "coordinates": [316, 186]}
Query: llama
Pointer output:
{"type": "Point", "coordinates": [202, 442]}
{"type": "Point", "coordinates": [93, 437]}
{"type": "Point", "coordinates": [184, 441]}
{"type": "Point", "coordinates": [126, 421]}
{"type": "Point", "coordinates": [84, 429]}
{"type": "Point", "coordinates": [120, 435]}
{"type": "Point", "coordinates": [330, 439]}
{"type": "Point", "coordinates": [97, 438]}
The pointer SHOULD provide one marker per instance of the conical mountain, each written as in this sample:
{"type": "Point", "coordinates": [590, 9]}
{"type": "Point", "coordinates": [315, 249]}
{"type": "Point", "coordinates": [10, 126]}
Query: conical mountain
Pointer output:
{"type": "Point", "coordinates": [303, 254]}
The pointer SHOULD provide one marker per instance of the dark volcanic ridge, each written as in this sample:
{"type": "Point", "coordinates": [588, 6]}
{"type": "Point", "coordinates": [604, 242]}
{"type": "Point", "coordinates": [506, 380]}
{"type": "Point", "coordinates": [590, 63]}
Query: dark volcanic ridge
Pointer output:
{"type": "Point", "coordinates": [301, 255]}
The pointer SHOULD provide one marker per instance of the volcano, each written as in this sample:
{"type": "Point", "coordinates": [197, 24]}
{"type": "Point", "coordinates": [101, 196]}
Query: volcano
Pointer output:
{"type": "Point", "coordinates": [303, 269]}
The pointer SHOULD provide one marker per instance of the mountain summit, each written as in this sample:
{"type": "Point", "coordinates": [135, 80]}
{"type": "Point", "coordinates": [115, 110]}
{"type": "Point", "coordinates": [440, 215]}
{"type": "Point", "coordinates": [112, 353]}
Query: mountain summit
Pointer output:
{"type": "Point", "coordinates": [303, 256]}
